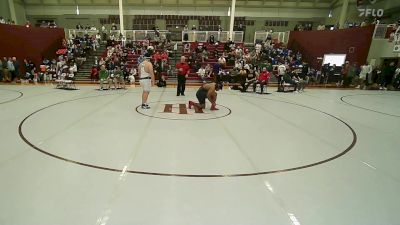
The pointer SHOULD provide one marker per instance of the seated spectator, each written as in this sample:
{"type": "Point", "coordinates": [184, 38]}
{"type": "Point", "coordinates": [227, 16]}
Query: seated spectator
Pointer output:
{"type": "Point", "coordinates": [202, 74]}
{"type": "Point", "coordinates": [262, 80]}
{"type": "Point", "coordinates": [288, 79]}
{"type": "Point", "coordinates": [119, 78]}
{"type": "Point", "coordinates": [222, 61]}
{"type": "Point", "coordinates": [204, 55]}
{"type": "Point", "coordinates": [132, 74]}
{"type": "Point", "coordinates": [224, 76]}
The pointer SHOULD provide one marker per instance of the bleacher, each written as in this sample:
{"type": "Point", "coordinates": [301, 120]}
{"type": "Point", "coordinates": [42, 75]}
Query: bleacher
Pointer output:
{"type": "Point", "coordinates": [212, 60]}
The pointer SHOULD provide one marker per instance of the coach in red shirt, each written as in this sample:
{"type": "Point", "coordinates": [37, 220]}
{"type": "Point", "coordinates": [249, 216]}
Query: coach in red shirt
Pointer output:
{"type": "Point", "coordinates": [262, 80]}
{"type": "Point", "coordinates": [183, 72]}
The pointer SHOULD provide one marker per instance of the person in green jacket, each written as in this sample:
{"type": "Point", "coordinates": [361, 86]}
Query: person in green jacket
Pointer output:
{"type": "Point", "coordinates": [103, 77]}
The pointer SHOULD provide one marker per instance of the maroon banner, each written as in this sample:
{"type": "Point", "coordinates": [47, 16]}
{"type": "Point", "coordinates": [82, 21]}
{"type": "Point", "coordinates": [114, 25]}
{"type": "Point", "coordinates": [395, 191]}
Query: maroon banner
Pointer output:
{"type": "Point", "coordinates": [30, 43]}
{"type": "Point", "coordinates": [354, 42]}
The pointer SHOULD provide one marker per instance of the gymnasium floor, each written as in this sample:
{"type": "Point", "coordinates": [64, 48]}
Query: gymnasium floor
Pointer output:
{"type": "Point", "coordinates": [322, 157]}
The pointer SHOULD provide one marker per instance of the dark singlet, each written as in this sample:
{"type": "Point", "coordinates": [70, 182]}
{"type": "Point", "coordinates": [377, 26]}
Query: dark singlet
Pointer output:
{"type": "Point", "coordinates": [202, 95]}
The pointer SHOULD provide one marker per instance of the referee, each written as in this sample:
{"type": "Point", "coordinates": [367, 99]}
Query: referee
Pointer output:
{"type": "Point", "coordinates": [183, 72]}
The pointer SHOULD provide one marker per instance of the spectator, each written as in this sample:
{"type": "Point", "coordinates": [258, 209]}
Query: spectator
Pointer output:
{"type": "Point", "coordinates": [202, 73]}
{"type": "Point", "coordinates": [222, 61]}
{"type": "Point", "coordinates": [365, 74]}
{"type": "Point", "coordinates": [1, 70]}
{"type": "Point", "coordinates": [94, 74]}
{"type": "Point", "coordinates": [17, 67]}
{"type": "Point", "coordinates": [211, 39]}
{"type": "Point", "coordinates": [11, 69]}
{"type": "Point", "coordinates": [388, 74]}
{"type": "Point", "coordinates": [103, 75]}
{"type": "Point", "coordinates": [344, 80]}
{"type": "Point", "coordinates": [262, 80]}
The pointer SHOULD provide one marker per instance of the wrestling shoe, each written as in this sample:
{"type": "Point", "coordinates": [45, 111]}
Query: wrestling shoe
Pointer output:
{"type": "Point", "coordinates": [145, 106]}
{"type": "Point", "coordinates": [191, 104]}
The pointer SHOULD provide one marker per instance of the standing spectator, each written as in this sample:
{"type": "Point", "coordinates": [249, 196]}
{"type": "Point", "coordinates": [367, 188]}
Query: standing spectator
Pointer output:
{"type": "Point", "coordinates": [123, 41]}
{"type": "Point", "coordinates": [211, 39]}
{"type": "Point", "coordinates": [183, 72]}
{"type": "Point", "coordinates": [11, 68]}
{"type": "Point", "coordinates": [396, 81]}
{"type": "Point", "coordinates": [103, 75]}
{"type": "Point", "coordinates": [365, 73]}
{"type": "Point", "coordinates": [388, 74]}
{"type": "Point", "coordinates": [185, 35]}
{"type": "Point", "coordinates": [1, 70]}
{"type": "Point", "coordinates": [281, 73]}
{"type": "Point", "coordinates": [345, 78]}
{"type": "Point", "coordinates": [216, 69]}
{"type": "Point", "coordinates": [94, 74]}
{"type": "Point", "coordinates": [17, 67]}
{"type": "Point", "coordinates": [352, 73]}
{"type": "Point", "coordinates": [5, 69]}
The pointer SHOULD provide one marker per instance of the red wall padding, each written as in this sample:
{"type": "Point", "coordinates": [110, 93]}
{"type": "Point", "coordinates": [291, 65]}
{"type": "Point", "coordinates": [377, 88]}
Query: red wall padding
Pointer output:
{"type": "Point", "coordinates": [30, 43]}
{"type": "Point", "coordinates": [314, 44]}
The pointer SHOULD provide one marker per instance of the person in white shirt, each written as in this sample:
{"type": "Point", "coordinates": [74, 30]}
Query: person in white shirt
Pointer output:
{"type": "Point", "coordinates": [281, 73]}
{"type": "Point", "coordinates": [365, 74]}
{"type": "Point", "coordinates": [202, 73]}
{"type": "Point", "coordinates": [238, 65]}
{"type": "Point", "coordinates": [132, 75]}
{"type": "Point", "coordinates": [123, 41]}
{"type": "Point", "coordinates": [222, 61]}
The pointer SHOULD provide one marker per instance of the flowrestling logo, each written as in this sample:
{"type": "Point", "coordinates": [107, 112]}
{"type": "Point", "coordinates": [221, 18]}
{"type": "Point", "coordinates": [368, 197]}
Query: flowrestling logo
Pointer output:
{"type": "Point", "coordinates": [173, 110]}
{"type": "Point", "coordinates": [366, 12]}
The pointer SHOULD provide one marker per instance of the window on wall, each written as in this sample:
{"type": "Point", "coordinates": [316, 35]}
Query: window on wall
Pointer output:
{"type": "Point", "coordinates": [276, 23]}
{"type": "Point", "coordinates": [111, 19]}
